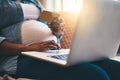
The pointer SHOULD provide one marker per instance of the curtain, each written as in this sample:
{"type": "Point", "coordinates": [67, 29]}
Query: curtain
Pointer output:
{"type": "Point", "coordinates": [62, 5]}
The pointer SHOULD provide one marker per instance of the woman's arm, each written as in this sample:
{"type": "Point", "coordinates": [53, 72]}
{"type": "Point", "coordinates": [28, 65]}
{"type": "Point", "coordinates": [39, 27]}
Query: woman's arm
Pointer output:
{"type": "Point", "coordinates": [10, 13]}
{"type": "Point", "coordinates": [8, 48]}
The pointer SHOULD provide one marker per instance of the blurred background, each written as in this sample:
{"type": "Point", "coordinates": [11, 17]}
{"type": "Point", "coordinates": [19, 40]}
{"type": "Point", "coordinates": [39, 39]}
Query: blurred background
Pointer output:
{"type": "Point", "coordinates": [69, 6]}
{"type": "Point", "coordinates": [62, 5]}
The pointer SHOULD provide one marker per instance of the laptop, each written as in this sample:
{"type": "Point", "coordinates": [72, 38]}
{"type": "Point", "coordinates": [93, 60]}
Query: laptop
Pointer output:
{"type": "Point", "coordinates": [97, 35]}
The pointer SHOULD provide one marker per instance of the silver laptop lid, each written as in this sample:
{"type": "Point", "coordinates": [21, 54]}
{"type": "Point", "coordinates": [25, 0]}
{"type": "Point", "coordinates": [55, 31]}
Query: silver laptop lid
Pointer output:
{"type": "Point", "coordinates": [97, 31]}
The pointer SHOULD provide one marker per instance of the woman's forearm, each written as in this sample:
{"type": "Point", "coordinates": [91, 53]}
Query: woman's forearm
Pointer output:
{"type": "Point", "coordinates": [8, 48]}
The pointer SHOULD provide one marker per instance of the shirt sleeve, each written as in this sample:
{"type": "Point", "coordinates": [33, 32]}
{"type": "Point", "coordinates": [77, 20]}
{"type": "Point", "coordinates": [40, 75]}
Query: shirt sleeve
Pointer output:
{"type": "Point", "coordinates": [2, 39]}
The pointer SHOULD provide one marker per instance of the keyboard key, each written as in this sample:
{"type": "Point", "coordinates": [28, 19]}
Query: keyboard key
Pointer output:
{"type": "Point", "coordinates": [62, 57]}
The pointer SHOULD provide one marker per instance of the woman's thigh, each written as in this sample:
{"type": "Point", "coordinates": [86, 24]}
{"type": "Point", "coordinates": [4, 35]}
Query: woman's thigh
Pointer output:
{"type": "Point", "coordinates": [34, 31]}
{"type": "Point", "coordinates": [112, 68]}
{"type": "Point", "coordinates": [33, 68]}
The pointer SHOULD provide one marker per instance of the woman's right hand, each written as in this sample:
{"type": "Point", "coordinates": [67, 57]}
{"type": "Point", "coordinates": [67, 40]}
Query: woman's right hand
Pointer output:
{"type": "Point", "coordinates": [8, 48]}
{"type": "Point", "coordinates": [43, 46]}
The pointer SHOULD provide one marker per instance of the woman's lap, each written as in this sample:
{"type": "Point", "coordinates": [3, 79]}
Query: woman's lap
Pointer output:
{"type": "Point", "coordinates": [33, 68]}
{"type": "Point", "coordinates": [112, 68]}
{"type": "Point", "coordinates": [85, 71]}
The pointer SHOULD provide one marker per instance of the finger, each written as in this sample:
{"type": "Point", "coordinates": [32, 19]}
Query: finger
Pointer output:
{"type": "Point", "coordinates": [46, 47]}
{"type": "Point", "coordinates": [52, 42]}
{"type": "Point", "coordinates": [55, 44]}
{"type": "Point", "coordinates": [52, 46]}
{"type": "Point", "coordinates": [46, 42]}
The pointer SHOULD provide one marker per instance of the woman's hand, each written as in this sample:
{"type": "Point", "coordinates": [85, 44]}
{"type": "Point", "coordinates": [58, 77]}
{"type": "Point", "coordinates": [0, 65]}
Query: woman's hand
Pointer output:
{"type": "Point", "coordinates": [43, 46]}
{"type": "Point", "coordinates": [57, 26]}
{"type": "Point", "coordinates": [8, 48]}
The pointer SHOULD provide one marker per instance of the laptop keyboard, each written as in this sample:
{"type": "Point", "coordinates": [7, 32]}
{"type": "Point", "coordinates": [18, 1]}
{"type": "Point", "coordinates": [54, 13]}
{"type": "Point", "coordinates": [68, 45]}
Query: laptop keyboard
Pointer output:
{"type": "Point", "coordinates": [62, 57]}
